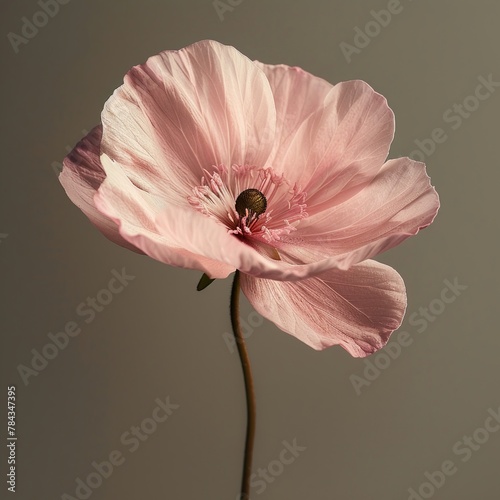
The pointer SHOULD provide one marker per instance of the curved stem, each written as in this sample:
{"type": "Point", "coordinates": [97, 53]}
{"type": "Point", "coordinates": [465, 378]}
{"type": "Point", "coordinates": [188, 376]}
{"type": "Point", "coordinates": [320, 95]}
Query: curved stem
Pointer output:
{"type": "Point", "coordinates": [249, 387]}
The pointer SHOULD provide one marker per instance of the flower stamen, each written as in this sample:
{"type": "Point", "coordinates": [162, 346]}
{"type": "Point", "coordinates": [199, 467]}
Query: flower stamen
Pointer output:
{"type": "Point", "coordinates": [267, 208]}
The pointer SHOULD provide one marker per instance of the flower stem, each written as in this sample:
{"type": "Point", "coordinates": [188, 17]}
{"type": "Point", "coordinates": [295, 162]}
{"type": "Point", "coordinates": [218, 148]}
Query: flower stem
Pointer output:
{"type": "Point", "coordinates": [249, 387]}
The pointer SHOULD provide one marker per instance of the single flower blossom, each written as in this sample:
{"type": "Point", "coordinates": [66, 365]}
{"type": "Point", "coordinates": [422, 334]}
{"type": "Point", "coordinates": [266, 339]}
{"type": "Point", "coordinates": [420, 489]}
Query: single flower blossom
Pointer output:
{"type": "Point", "coordinates": [207, 160]}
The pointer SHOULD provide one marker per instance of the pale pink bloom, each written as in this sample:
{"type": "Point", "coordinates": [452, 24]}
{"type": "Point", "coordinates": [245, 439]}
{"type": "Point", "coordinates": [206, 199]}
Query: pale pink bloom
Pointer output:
{"type": "Point", "coordinates": [190, 130]}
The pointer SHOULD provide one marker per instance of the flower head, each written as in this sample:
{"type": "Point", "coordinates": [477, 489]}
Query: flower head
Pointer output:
{"type": "Point", "coordinates": [210, 161]}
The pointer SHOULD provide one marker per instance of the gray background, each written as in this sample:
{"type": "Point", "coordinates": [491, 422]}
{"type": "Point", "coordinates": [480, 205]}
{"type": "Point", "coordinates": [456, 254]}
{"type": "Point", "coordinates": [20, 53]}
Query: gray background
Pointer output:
{"type": "Point", "coordinates": [160, 338]}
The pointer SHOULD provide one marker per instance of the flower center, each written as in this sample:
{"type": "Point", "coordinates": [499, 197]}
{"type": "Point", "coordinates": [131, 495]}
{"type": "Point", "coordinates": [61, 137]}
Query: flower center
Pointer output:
{"type": "Point", "coordinates": [249, 202]}
{"type": "Point", "coordinates": [267, 208]}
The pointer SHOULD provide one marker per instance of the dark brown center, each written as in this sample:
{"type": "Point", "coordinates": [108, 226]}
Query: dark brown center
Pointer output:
{"type": "Point", "coordinates": [253, 201]}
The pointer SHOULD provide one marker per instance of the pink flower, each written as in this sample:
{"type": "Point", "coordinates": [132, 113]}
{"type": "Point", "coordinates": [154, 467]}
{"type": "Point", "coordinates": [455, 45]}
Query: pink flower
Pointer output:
{"type": "Point", "coordinates": [207, 160]}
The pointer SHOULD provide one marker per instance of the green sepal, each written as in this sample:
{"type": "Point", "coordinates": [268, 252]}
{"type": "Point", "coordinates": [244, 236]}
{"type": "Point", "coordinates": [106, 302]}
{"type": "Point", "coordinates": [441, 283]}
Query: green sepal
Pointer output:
{"type": "Point", "coordinates": [204, 282]}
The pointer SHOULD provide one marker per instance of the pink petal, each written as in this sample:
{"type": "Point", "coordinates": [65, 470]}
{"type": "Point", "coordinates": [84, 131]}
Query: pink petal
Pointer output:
{"type": "Point", "coordinates": [357, 309]}
{"type": "Point", "coordinates": [135, 212]}
{"type": "Point", "coordinates": [81, 177]}
{"type": "Point", "coordinates": [395, 205]}
{"type": "Point", "coordinates": [185, 111]}
{"type": "Point", "coordinates": [297, 94]}
{"type": "Point", "coordinates": [340, 147]}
